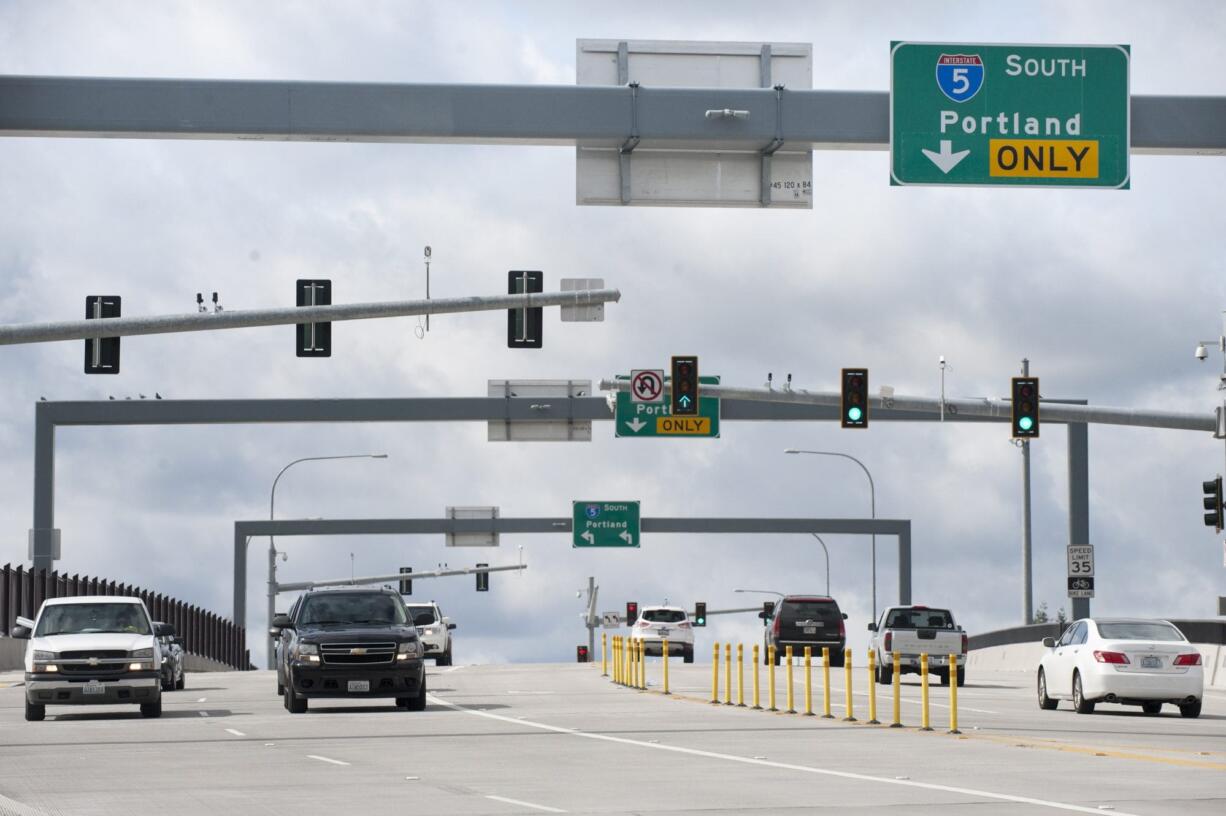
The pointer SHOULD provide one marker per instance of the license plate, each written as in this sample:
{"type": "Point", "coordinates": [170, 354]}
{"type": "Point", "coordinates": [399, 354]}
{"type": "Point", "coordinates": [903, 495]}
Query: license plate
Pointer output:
{"type": "Point", "coordinates": [359, 685]}
{"type": "Point", "coordinates": [93, 687]}
{"type": "Point", "coordinates": [810, 630]}
{"type": "Point", "coordinates": [1151, 662]}
{"type": "Point", "coordinates": [663, 632]}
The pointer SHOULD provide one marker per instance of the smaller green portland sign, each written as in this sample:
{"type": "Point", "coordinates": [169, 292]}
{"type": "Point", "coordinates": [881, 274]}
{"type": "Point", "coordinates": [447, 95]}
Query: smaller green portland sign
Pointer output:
{"type": "Point", "coordinates": [1020, 115]}
{"type": "Point", "coordinates": [605, 524]}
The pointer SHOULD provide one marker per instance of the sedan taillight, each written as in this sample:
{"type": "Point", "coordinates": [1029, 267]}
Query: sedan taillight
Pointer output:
{"type": "Point", "coordinates": [683, 625]}
{"type": "Point", "coordinates": [1118, 658]}
{"type": "Point", "coordinates": [642, 625]}
{"type": "Point", "coordinates": [1187, 660]}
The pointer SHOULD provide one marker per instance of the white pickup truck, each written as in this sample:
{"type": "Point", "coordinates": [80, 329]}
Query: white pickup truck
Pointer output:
{"type": "Point", "coordinates": [915, 630]}
{"type": "Point", "coordinates": [92, 649]}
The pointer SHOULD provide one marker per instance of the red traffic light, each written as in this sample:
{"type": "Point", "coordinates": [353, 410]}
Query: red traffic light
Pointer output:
{"type": "Point", "coordinates": [581, 654]}
{"type": "Point", "coordinates": [632, 612]}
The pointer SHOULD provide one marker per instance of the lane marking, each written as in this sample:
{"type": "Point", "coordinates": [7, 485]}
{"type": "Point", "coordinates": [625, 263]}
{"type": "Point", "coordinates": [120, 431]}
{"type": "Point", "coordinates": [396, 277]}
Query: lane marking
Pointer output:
{"type": "Point", "coordinates": [202, 699]}
{"type": "Point", "coordinates": [326, 759]}
{"type": "Point", "coordinates": [203, 713]}
{"type": "Point", "coordinates": [972, 792]}
{"type": "Point", "coordinates": [1022, 742]}
{"type": "Point", "coordinates": [545, 808]}
{"type": "Point", "coordinates": [235, 732]}
{"type": "Point", "coordinates": [17, 808]}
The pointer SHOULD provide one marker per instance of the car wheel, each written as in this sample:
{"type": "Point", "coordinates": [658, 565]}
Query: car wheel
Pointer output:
{"type": "Point", "coordinates": [1190, 709]}
{"type": "Point", "coordinates": [943, 676]}
{"type": "Point", "coordinates": [687, 655]}
{"type": "Point", "coordinates": [179, 686]}
{"type": "Point", "coordinates": [1080, 703]}
{"type": "Point", "coordinates": [295, 703]}
{"type": "Point", "coordinates": [417, 703]}
{"type": "Point", "coordinates": [35, 712]}
{"type": "Point", "coordinates": [167, 685]}
{"type": "Point", "coordinates": [1046, 703]}
{"type": "Point", "coordinates": [1151, 708]}
{"type": "Point", "coordinates": [836, 659]}
{"type": "Point", "coordinates": [153, 709]}
{"type": "Point", "coordinates": [961, 678]}
{"type": "Point", "coordinates": [885, 675]}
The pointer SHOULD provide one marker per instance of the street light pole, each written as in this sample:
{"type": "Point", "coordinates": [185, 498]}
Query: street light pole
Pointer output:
{"type": "Point", "coordinates": [872, 494]}
{"type": "Point", "coordinates": [827, 552]}
{"type": "Point", "coordinates": [272, 547]}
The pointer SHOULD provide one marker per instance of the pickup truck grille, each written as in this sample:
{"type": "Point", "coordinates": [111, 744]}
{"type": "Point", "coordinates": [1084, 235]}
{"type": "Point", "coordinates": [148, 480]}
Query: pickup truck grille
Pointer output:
{"type": "Point", "coordinates": [109, 670]}
{"type": "Point", "coordinates": [111, 654]}
{"type": "Point", "coordinates": [357, 654]}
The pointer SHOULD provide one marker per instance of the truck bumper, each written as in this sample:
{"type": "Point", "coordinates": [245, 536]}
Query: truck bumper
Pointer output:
{"type": "Point", "coordinates": [143, 689]}
{"type": "Point", "coordinates": [404, 679]}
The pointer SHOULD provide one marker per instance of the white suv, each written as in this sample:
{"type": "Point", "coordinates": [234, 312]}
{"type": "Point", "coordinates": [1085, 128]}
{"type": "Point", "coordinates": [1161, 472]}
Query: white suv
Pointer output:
{"type": "Point", "coordinates": [92, 649]}
{"type": "Point", "coordinates": [659, 623]}
{"type": "Point", "coordinates": [434, 631]}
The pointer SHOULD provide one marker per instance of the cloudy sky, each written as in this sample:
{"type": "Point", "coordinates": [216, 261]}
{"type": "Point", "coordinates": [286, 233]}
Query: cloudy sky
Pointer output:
{"type": "Point", "coordinates": [1105, 292]}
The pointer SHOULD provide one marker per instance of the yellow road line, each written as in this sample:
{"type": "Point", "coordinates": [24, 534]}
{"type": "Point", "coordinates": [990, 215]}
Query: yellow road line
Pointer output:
{"type": "Point", "coordinates": [1024, 742]}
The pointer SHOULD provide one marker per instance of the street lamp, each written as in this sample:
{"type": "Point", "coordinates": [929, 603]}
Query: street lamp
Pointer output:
{"type": "Point", "coordinates": [272, 547]}
{"type": "Point", "coordinates": [872, 493]}
{"type": "Point", "coordinates": [827, 552]}
{"type": "Point", "coordinates": [761, 591]}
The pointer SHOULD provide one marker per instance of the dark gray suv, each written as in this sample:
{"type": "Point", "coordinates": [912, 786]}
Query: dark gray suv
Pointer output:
{"type": "Point", "coordinates": [806, 620]}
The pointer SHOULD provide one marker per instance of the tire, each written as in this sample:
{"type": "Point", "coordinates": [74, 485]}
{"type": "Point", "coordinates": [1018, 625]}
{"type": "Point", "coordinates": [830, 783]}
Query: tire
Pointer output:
{"type": "Point", "coordinates": [445, 658]}
{"type": "Point", "coordinates": [417, 703]}
{"type": "Point", "coordinates": [35, 712]}
{"type": "Point", "coordinates": [943, 676]}
{"type": "Point", "coordinates": [961, 678]}
{"type": "Point", "coordinates": [1190, 709]}
{"type": "Point", "coordinates": [1080, 704]}
{"type": "Point", "coordinates": [152, 710]}
{"type": "Point", "coordinates": [687, 656]}
{"type": "Point", "coordinates": [182, 684]}
{"type": "Point", "coordinates": [836, 659]}
{"type": "Point", "coordinates": [1152, 708]}
{"type": "Point", "coordinates": [885, 675]}
{"type": "Point", "coordinates": [1046, 703]}
{"type": "Point", "coordinates": [295, 703]}
{"type": "Point", "coordinates": [167, 685]}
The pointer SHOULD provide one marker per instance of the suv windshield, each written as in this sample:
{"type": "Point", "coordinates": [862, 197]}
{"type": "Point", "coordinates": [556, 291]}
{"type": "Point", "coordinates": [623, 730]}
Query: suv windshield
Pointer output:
{"type": "Point", "coordinates": [1139, 631]}
{"type": "Point", "coordinates": [663, 615]}
{"type": "Point", "coordinates": [89, 618]}
{"type": "Point", "coordinates": [793, 611]}
{"type": "Point", "coordinates": [351, 607]}
{"type": "Point", "coordinates": [920, 619]}
{"type": "Point", "coordinates": [422, 615]}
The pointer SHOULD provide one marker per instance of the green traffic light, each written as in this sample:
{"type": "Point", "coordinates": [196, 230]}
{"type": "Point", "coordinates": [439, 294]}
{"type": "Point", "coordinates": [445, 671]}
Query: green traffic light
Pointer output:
{"type": "Point", "coordinates": [854, 414]}
{"type": "Point", "coordinates": [1025, 423]}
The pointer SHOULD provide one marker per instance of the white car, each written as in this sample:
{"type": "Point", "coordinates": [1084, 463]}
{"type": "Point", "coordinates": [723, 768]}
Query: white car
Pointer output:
{"type": "Point", "coordinates": [1121, 660]}
{"type": "Point", "coordinates": [89, 650]}
{"type": "Point", "coordinates": [434, 631]}
{"type": "Point", "coordinates": [659, 623]}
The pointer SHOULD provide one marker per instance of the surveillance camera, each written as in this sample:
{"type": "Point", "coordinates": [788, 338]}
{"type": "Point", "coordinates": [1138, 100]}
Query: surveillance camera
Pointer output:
{"type": "Point", "coordinates": [1201, 352]}
{"type": "Point", "coordinates": [941, 359]}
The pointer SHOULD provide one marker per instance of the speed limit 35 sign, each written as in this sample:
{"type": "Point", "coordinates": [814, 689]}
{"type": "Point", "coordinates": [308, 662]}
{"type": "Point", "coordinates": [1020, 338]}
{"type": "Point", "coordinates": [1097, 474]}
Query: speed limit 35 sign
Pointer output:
{"type": "Point", "coordinates": [1081, 571]}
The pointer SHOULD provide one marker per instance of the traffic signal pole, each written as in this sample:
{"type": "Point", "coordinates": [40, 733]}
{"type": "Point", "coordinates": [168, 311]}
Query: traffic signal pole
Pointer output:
{"type": "Point", "coordinates": [1027, 575]}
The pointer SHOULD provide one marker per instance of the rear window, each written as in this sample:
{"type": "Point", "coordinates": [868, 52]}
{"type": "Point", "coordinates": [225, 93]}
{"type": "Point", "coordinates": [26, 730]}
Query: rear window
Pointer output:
{"type": "Point", "coordinates": [422, 615]}
{"type": "Point", "coordinates": [663, 615]}
{"type": "Point", "coordinates": [809, 610]}
{"type": "Point", "coordinates": [920, 619]}
{"type": "Point", "coordinates": [1139, 631]}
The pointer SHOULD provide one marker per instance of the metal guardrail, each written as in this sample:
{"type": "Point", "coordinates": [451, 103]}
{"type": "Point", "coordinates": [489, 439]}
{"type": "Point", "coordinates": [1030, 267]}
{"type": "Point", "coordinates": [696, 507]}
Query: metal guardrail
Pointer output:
{"type": "Point", "coordinates": [1196, 631]}
{"type": "Point", "coordinates": [23, 590]}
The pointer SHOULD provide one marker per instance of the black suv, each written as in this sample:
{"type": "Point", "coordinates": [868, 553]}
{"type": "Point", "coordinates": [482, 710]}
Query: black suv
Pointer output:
{"type": "Point", "coordinates": [356, 643]}
{"type": "Point", "coordinates": [805, 620]}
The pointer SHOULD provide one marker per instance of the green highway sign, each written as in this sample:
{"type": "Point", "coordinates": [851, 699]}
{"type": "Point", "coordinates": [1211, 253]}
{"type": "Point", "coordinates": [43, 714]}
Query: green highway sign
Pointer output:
{"type": "Point", "coordinates": [644, 419]}
{"type": "Point", "coordinates": [605, 524]}
{"type": "Point", "coordinates": [1014, 115]}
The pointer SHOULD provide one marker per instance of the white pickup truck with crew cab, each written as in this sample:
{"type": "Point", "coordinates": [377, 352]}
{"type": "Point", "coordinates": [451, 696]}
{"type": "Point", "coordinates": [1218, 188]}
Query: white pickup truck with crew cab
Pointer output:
{"type": "Point", "coordinates": [89, 650]}
{"type": "Point", "coordinates": [914, 630]}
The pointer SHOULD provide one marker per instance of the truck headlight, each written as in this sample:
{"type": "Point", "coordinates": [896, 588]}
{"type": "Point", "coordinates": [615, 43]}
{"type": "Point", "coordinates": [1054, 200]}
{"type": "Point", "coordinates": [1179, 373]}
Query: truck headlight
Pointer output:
{"type": "Point", "coordinates": [141, 653]}
{"type": "Point", "coordinates": [141, 666]}
{"type": "Point", "coordinates": [308, 648]}
{"type": "Point", "coordinates": [410, 648]}
{"type": "Point", "coordinates": [41, 656]}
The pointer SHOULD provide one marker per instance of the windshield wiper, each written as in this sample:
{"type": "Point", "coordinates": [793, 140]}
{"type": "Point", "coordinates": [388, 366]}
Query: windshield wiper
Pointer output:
{"type": "Point", "coordinates": [326, 622]}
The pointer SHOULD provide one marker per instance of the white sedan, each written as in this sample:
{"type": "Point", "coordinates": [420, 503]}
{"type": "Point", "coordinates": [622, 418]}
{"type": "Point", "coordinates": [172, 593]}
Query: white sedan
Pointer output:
{"type": "Point", "coordinates": [1121, 660]}
{"type": "Point", "coordinates": [659, 623]}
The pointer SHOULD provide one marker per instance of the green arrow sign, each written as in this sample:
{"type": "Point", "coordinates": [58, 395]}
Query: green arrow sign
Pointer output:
{"type": "Point", "coordinates": [605, 524]}
{"type": "Point", "coordinates": [656, 419]}
{"type": "Point", "coordinates": [1019, 115]}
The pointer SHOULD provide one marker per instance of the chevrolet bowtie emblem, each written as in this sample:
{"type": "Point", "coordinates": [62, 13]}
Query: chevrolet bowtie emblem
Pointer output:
{"type": "Point", "coordinates": [93, 661]}
{"type": "Point", "coordinates": [358, 651]}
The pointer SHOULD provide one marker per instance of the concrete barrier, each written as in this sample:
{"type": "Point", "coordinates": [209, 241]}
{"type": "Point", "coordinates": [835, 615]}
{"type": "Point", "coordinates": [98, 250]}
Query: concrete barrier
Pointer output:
{"type": "Point", "coordinates": [12, 654]}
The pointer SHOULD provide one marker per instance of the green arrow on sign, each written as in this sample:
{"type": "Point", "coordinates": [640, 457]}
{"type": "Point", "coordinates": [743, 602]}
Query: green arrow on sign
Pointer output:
{"type": "Point", "coordinates": [605, 524]}
{"type": "Point", "coordinates": [1014, 115]}
{"type": "Point", "coordinates": [655, 419]}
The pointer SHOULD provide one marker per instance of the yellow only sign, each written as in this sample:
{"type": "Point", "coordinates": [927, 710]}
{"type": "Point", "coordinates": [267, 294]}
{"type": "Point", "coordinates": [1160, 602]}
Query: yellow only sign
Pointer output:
{"type": "Point", "coordinates": [1043, 158]}
{"type": "Point", "coordinates": [696, 426]}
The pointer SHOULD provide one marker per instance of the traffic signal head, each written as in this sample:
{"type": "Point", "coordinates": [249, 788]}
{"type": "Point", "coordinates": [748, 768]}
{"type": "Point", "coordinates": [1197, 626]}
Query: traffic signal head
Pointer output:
{"type": "Point", "coordinates": [1213, 504]}
{"type": "Point", "coordinates": [581, 654]}
{"type": "Point", "coordinates": [632, 612]}
{"type": "Point", "coordinates": [700, 613]}
{"type": "Point", "coordinates": [768, 611]}
{"type": "Point", "coordinates": [855, 398]}
{"type": "Point", "coordinates": [1025, 407]}
{"type": "Point", "coordinates": [406, 584]}
{"type": "Point", "coordinates": [524, 326]}
{"type": "Point", "coordinates": [483, 580]}
{"type": "Point", "coordinates": [685, 386]}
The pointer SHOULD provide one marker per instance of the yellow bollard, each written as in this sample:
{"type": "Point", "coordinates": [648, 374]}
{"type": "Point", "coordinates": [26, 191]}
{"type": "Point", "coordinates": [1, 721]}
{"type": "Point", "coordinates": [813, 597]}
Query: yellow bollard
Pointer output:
{"type": "Point", "coordinates": [664, 654]}
{"type": "Point", "coordinates": [847, 679]}
{"type": "Point", "coordinates": [727, 674]}
{"type": "Point", "coordinates": [770, 677]}
{"type": "Point", "coordinates": [740, 675]}
{"type": "Point", "coordinates": [626, 661]}
{"type": "Point", "coordinates": [924, 726]}
{"type": "Point", "coordinates": [604, 654]}
{"type": "Point", "coordinates": [872, 688]}
{"type": "Point", "coordinates": [897, 682]}
{"type": "Point", "coordinates": [715, 674]}
{"type": "Point", "coordinates": [808, 681]}
{"type": "Point", "coordinates": [791, 695]}
{"type": "Point", "coordinates": [953, 694]}
{"type": "Point", "coordinates": [642, 664]}
{"type": "Point", "coordinates": [616, 673]}
{"type": "Point", "coordinates": [757, 658]}
{"type": "Point", "coordinates": [826, 715]}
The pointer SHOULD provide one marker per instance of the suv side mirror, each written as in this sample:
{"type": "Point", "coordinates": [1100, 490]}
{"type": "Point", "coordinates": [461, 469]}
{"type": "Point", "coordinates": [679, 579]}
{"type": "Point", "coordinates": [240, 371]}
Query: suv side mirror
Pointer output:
{"type": "Point", "coordinates": [280, 621]}
{"type": "Point", "coordinates": [872, 627]}
{"type": "Point", "coordinates": [178, 641]}
{"type": "Point", "coordinates": [1049, 642]}
{"type": "Point", "coordinates": [844, 616]}
{"type": "Point", "coordinates": [163, 629]}
{"type": "Point", "coordinates": [451, 626]}
{"type": "Point", "coordinates": [20, 632]}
